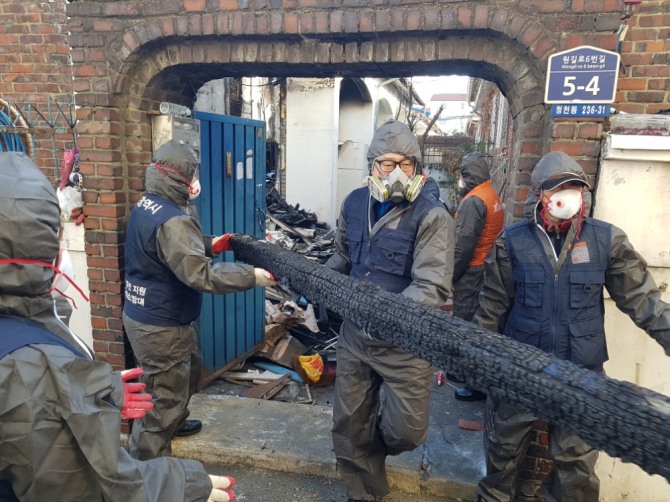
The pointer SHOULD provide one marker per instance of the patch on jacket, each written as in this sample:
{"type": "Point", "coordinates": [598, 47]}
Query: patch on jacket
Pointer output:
{"type": "Point", "coordinates": [580, 253]}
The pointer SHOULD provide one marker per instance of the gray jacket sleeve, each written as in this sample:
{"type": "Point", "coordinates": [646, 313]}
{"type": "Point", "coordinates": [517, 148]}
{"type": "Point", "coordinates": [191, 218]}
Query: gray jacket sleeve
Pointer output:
{"type": "Point", "coordinates": [634, 291]}
{"type": "Point", "coordinates": [497, 295]}
{"type": "Point", "coordinates": [340, 259]}
{"type": "Point", "coordinates": [433, 259]}
{"type": "Point", "coordinates": [72, 430]}
{"type": "Point", "coordinates": [469, 224]}
{"type": "Point", "coordinates": [181, 247]}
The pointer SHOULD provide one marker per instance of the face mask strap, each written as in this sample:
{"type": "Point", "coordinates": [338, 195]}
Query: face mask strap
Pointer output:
{"type": "Point", "coordinates": [22, 261]}
{"type": "Point", "coordinates": [164, 169]}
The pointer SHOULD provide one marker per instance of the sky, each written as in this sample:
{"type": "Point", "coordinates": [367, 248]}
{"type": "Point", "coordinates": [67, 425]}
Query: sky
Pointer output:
{"type": "Point", "coordinates": [427, 86]}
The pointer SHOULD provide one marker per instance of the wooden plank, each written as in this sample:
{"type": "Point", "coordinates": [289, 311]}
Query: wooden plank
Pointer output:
{"type": "Point", "coordinates": [253, 375]}
{"type": "Point", "coordinates": [288, 228]}
{"type": "Point", "coordinates": [267, 390]}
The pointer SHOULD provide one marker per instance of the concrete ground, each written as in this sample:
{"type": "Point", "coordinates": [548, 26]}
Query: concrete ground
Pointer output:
{"type": "Point", "coordinates": [295, 438]}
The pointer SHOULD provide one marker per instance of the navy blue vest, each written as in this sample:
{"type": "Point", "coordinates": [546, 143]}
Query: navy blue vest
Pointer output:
{"type": "Point", "coordinates": [16, 332]}
{"type": "Point", "coordinates": [386, 258]}
{"type": "Point", "coordinates": [561, 314]}
{"type": "Point", "coordinates": [153, 294]}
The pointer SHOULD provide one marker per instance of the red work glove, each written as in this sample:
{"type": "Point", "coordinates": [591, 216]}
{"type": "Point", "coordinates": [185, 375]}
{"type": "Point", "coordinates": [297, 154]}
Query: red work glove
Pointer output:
{"type": "Point", "coordinates": [264, 278]}
{"type": "Point", "coordinates": [221, 244]}
{"type": "Point", "coordinates": [77, 215]}
{"type": "Point", "coordinates": [135, 402]}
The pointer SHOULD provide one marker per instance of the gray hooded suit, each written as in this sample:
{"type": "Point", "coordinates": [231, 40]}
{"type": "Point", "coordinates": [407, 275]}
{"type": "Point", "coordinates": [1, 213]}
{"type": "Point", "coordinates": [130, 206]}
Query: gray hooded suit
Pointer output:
{"type": "Point", "coordinates": [59, 412]}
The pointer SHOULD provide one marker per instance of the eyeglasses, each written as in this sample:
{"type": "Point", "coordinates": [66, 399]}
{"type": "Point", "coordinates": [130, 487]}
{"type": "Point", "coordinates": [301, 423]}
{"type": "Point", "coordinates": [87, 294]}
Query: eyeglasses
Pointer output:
{"type": "Point", "coordinates": [387, 166]}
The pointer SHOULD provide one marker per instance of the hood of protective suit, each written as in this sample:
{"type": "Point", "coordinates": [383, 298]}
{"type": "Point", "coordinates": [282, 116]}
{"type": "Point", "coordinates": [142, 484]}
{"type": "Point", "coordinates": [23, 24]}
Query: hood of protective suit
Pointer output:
{"type": "Point", "coordinates": [551, 166]}
{"type": "Point", "coordinates": [474, 170]}
{"type": "Point", "coordinates": [394, 137]}
{"type": "Point", "coordinates": [555, 165]}
{"type": "Point", "coordinates": [168, 183]}
{"type": "Point", "coordinates": [29, 221]}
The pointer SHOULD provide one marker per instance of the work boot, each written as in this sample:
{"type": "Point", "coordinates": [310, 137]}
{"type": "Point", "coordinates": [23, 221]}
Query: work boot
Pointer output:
{"type": "Point", "coordinates": [468, 394]}
{"type": "Point", "coordinates": [188, 428]}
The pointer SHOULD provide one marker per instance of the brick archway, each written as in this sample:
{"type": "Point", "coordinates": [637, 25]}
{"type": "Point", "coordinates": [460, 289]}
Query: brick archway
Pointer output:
{"type": "Point", "coordinates": [128, 57]}
{"type": "Point", "coordinates": [171, 71]}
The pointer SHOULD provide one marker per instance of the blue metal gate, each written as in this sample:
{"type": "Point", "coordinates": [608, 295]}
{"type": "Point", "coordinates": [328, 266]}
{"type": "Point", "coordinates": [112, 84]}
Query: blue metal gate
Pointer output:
{"type": "Point", "coordinates": [232, 175]}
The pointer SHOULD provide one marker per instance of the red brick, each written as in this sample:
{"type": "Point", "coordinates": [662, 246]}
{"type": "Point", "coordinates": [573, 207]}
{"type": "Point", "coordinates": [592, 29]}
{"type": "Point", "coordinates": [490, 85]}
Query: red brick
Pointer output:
{"type": "Point", "coordinates": [464, 16]}
{"type": "Point", "coordinates": [195, 5]}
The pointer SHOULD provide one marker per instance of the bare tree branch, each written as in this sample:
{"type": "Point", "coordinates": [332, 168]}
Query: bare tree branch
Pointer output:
{"type": "Point", "coordinates": [429, 127]}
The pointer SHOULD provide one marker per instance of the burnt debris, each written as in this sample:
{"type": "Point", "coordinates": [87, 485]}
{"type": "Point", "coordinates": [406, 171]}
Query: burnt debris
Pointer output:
{"type": "Point", "coordinates": [617, 417]}
{"type": "Point", "coordinates": [297, 230]}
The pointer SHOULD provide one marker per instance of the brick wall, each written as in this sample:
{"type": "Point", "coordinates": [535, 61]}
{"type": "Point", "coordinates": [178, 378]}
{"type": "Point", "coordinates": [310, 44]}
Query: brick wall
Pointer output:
{"type": "Point", "coordinates": [35, 66]}
{"type": "Point", "coordinates": [645, 87]}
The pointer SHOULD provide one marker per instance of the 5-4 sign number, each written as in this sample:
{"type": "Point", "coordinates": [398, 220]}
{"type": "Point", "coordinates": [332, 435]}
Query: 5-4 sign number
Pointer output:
{"type": "Point", "coordinates": [582, 75]}
{"type": "Point", "coordinates": [570, 87]}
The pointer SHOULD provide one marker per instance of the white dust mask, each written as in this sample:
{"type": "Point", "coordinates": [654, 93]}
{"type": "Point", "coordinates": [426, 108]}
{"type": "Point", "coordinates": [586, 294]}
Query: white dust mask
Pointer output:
{"type": "Point", "coordinates": [194, 189]}
{"type": "Point", "coordinates": [564, 204]}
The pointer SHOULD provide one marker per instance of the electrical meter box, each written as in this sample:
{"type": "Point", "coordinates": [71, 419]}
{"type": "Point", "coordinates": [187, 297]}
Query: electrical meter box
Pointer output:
{"type": "Point", "coordinates": [186, 130]}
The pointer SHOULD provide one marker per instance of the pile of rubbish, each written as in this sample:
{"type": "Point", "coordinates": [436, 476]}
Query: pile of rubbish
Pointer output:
{"type": "Point", "coordinates": [296, 229]}
{"type": "Point", "coordinates": [297, 361]}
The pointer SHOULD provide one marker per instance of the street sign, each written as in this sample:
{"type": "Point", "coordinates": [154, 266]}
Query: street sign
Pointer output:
{"type": "Point", "coordinates": [582, 75]}
{"type": "Point", "coordinates": [581, 110]}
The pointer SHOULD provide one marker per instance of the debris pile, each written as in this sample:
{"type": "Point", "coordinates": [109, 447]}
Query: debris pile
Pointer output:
{"type": "Point", "coordinates": [298, 354]}
{"type": "Point", "coordinates": [296, 229]}
{"type": "Point", "coordinates": [296, 362]}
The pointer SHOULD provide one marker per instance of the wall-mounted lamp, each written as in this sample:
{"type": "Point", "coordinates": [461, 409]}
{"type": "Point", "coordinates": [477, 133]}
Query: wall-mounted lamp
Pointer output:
{"type": "Point", "coordinates": [174, 109]}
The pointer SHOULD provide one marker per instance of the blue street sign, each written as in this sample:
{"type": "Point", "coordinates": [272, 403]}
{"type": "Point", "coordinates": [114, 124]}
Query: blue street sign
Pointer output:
{"type": "Point", "coordinates": [581, 110]}
{"type": "Point", "coordinates": [582, 75]}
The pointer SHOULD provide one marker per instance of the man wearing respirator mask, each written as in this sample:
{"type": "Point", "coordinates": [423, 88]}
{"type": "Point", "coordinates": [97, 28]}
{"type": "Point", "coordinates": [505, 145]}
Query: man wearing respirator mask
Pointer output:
{"type": "Point", "coordinates": [543, 286]}
{"type": "Point", "coordinates": [169, 265]}
{"type": "Point", "coordinates": [60, 410]}
{"type": "Point", "coordinates": [397, 235]}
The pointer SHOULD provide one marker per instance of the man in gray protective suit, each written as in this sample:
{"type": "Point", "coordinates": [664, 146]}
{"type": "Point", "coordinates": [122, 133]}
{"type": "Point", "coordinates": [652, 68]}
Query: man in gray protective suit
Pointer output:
{"type": "Point", "coordinates": [59, 409]}
{"type": "Point", "coordinates": [168, 267]}
{"type": "Point", "coordinates": [401, 238]}
{"type": "Point", "coordinates": [543, 286]}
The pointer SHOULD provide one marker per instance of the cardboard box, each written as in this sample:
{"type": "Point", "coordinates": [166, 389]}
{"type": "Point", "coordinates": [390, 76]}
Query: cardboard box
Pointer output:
{"type": "Point", "coordinates": [283, 351]}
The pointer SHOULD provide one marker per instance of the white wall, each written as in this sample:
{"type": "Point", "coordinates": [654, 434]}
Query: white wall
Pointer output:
{"type": "Point", "coordinates": [632, 193]}
{"type": "Point", "coordinates": [80, 322]}
{"type": "Point", "coordinates": [319, 172]}
{"type": "Point", "coordinates": [355, 133]}
{"type": "Point", "coordinates": [311, 146]}
{"type": "Point", "coordinates": [212, 98]}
